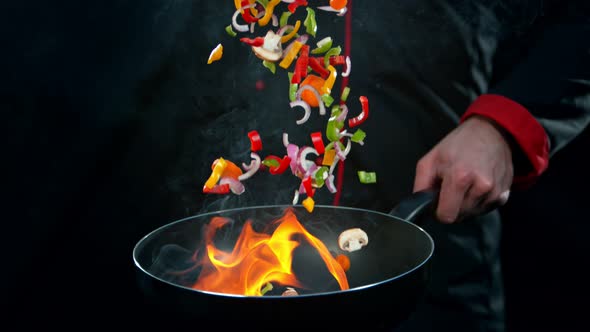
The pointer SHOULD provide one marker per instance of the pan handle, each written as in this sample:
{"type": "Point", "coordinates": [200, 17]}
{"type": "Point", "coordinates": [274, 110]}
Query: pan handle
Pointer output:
{"type": "Point", "coordinates": [412, 206]}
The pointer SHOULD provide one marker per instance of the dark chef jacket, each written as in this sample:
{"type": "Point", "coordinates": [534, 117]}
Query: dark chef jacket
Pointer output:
{"type": "Point", "coordinates": [128, 117]}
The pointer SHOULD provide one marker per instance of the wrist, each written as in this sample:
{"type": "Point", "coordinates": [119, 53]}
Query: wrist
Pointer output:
{"type": "Point", "coordinates": [529, 142]}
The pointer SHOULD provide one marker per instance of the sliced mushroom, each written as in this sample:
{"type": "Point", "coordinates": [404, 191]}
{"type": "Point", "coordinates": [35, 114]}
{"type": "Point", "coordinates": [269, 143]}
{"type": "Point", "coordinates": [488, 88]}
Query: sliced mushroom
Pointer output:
{"type": "Point", "coordinates": [290, 292]}
{"type": "Point", "coordinates": [352, 239]}
{"type": "Point", "coordinates": [271, 50]}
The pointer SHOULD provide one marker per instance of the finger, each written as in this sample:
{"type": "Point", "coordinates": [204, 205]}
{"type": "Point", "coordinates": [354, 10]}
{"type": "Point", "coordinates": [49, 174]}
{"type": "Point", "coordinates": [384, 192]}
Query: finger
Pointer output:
{"type": "Point", "coordinates": [426, 174]}
{"type": "Point", "coordinates": [452, 193]}
{"type": "Point", "coordinates": [477, 195]}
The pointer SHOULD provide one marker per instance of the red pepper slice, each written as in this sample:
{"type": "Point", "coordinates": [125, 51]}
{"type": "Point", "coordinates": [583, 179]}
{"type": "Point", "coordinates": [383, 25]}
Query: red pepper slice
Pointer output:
{"type": "Point", "coordinates": [246, 13]}
{"type": "Point", "coordinates": [335, 60]}
{"type": "Point", "coordinates": [217, 189]}
{"type": "Point", "coordinates": [301, 65]}
{"type": "Point", "coordinates": [284, 164]}
{"type": "Point", "coordinates": [364, 114]}
{"type": "Point", "coordinates": [293, 5]}
{"type": "Point", "coordinates": [255, 141]}
{"type": "Point", "coordinates": [258, 41]}
{"type": "Point", "coordinates": [318, 67]}
{"type": "Point", "coordinates": [307, 186]}
{"type": "Point", "coordinates": [318, 142]}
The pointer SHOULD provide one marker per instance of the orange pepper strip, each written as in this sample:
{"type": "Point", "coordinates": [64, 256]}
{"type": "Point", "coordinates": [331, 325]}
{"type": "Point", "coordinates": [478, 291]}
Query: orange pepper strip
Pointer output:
{"type": "Point", "coordinates": [293, 32]}
{"type": "Point", "coordinates": [343, 261]}
{"type": "Point", "coordinates": [290, 56]}
{"type": "Point", "coordinates": [268, 12]}
{"type": "Point", "coordinates": [329, 157]}
{"type": "Point", "coordinates": [232, 170]}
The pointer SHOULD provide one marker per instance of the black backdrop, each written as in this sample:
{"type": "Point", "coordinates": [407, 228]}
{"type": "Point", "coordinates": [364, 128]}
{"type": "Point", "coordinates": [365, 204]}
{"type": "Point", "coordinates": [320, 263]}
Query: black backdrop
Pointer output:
{"type": "Point", "coordinates": [87, 139]}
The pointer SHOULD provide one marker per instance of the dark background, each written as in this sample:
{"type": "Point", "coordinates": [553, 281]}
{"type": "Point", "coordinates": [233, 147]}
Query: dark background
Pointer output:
{"type": "Point", "coordinates": [95, 158]}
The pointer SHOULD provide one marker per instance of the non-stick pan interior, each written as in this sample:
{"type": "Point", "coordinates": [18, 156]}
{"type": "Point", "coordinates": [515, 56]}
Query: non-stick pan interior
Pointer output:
{"type": "Point", "coordinates": [395, 246]}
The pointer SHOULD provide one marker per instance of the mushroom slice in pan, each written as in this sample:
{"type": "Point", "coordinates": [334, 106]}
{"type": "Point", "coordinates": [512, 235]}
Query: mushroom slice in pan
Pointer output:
{"type": "Point", "coordinates": [290, 292]}
{"type": "Point", "coordinates": [352, 239]}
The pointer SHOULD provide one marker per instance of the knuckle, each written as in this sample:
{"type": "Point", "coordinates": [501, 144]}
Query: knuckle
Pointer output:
{"type": "Point", "coordinates": [483, 185]}
{"type": "Point", "coordinates": [462, 177]}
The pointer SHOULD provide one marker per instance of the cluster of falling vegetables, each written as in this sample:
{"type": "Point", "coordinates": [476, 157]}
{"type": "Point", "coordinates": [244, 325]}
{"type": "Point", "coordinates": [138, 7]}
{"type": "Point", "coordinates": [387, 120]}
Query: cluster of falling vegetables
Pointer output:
{"type": "Point", "coordinates": [312, 72]}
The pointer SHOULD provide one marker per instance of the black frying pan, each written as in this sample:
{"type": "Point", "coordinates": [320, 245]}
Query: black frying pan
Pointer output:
{"type": "Point", "coordinates": [387, 277]}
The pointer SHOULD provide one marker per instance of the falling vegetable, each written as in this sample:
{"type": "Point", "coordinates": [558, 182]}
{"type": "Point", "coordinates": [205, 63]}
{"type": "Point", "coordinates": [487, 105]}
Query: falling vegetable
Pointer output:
{"type": "Point", "coordinates": [216, 54]}
{"type": "Point", "coordinates": [255, 141]}
{"type": "Point", "coordinates": [367, 177]}
{"type": "Point", "coordinates": [312, 74]}
{"type": "Point", "coordinates": [308, 204]}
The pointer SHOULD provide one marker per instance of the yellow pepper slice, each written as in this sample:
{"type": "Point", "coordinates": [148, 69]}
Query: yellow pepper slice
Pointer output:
{"type": "Point", "coordinates": [308, 204]}
{"type": "Point", "coordinates": [216, 54]}
{"type": "Point", "coordinates": [293, 32]}
{"type": "Point", "coordinates": [290, 56]}
{"type": "Point", "coordinates": [329, 84]}
{"type": "Point", "coordinates": [268, 12]}
{"type": "Point", "coordinates": [329, 157]}
{"type": "Point", "coordinates": [219, 168]}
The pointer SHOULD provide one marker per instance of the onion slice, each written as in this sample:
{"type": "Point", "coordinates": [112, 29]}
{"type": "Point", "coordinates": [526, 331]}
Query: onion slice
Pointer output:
{"type": "Point", "coordinates": [347, 72]}
{"type": "Point", "coordinates": [235, 186]}
{"type": "Point", "coordinates": [330, 184]}
{"type": "Point", "coordinates": [252, 168]}
{"type": "Point", "coordinates": [303, 163]}
{"type": "Point", "coordinates": [306, 108]}
{"type": "Point", "coordinates": [296, 197]}
{"type": "Point", "coordinates": [285, 139]}
{"type": "Point", "coordinates": [234, 20]}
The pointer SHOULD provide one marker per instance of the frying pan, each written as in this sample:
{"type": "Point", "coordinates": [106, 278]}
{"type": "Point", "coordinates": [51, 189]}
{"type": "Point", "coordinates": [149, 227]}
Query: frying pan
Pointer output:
{"type": "Point", "coordinates": [387, 277]}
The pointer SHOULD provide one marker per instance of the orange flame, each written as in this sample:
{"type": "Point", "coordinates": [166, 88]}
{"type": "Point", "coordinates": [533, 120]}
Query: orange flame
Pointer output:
{"type": "Point", "coordinates": [259, 258]}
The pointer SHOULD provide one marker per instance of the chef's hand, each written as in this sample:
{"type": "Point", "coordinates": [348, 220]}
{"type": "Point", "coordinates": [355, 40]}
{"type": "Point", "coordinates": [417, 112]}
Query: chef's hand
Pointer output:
{"type": "Point", "coordinates": [472, 166]}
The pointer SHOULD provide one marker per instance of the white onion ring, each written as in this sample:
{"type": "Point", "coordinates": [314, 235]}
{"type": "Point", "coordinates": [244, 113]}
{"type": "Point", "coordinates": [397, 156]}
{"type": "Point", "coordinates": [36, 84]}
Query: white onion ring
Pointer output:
{"type": "Point", "coordinates": [328, 9]}
{"type": "Point", "coordinates": [234, 20]}
{"type": "Point", "coordinates": [254, 166]}
{"type": "Point", "coordinates": [316, 94]}
{"type": "Point", "coordinates": [306, 108]}
{"type": "Point", "coordinates": [275, 20]}
{"type": "Point", "coordinates": [347, 72]}
{"type": "Point", "coordinates": [285, 139]}
{"type": "Point", "coordinates": [340, 12]}
{"type": "Point", "coordinates": [282, 30]}
{"type": "Point", "coordinates": [235, 186]}
{"type": "Point", "coordinates": [288, 1]}
{"type": "Point", "coordinates": [303, 163]}
{"type": "Point", "coordinates": [330, 184]}
{"type": "Point", "coordinates": [296, 197]}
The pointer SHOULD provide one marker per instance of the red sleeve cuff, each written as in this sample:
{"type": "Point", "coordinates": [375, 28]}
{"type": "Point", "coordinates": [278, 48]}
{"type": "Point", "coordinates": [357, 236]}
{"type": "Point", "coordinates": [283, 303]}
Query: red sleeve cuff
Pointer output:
{"type": "Point", "coordinates": [524, 128]}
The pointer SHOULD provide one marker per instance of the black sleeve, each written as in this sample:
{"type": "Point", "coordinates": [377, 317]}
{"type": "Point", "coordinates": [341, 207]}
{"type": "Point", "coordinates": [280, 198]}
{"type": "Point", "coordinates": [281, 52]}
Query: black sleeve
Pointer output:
{"type": "Point", "coordinates": [552, 80]}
